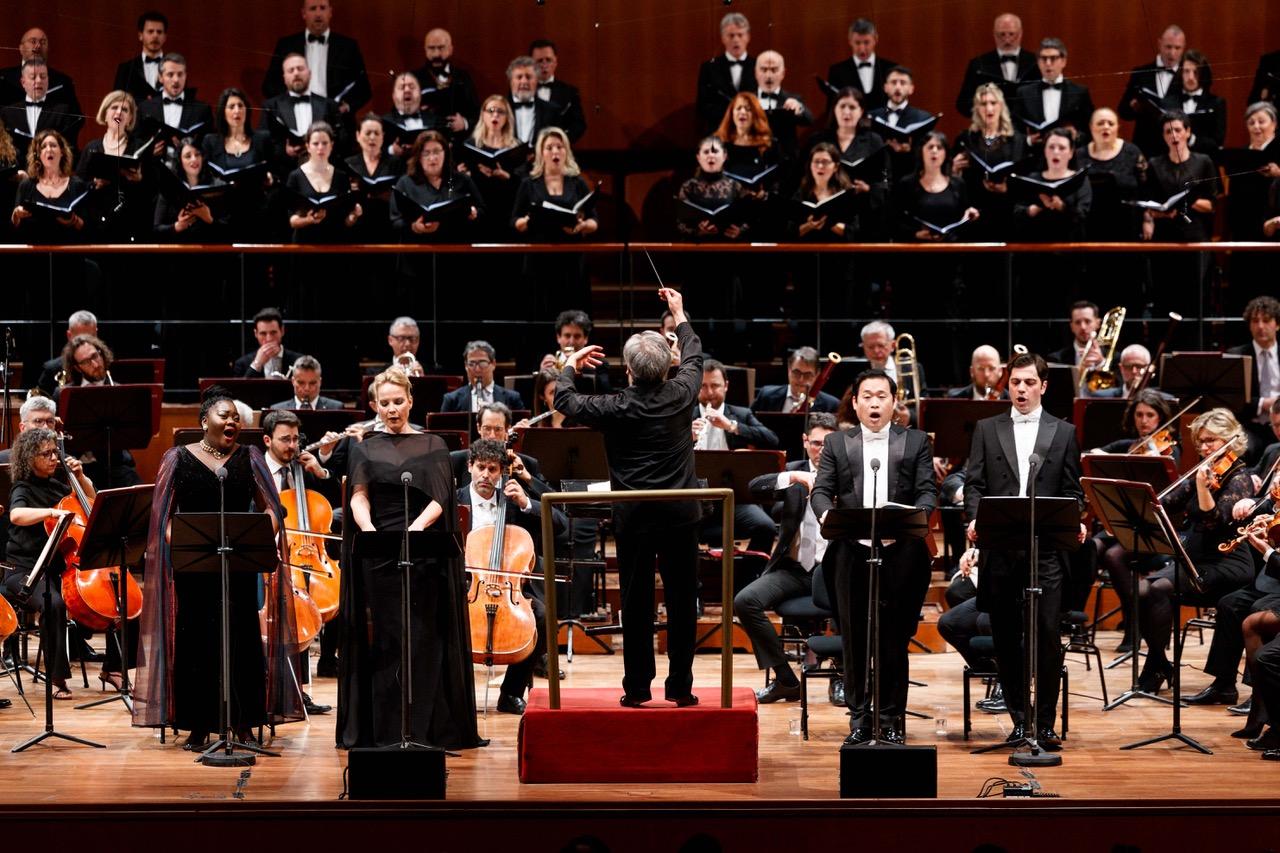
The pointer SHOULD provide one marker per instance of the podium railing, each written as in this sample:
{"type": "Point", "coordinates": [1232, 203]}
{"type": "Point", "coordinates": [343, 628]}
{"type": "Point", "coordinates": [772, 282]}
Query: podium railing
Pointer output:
{"type": "Point", "coordinates": [551, 499]}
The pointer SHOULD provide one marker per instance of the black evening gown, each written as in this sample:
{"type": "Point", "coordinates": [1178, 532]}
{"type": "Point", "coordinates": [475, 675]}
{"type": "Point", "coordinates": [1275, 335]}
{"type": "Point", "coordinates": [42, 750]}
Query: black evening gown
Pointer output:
{"type": "Point", "coordinates": [443, 700]}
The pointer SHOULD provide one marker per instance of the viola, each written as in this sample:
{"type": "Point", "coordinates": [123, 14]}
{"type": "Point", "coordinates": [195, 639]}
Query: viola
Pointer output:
{"type": "Point", "coordinates": [503, 627]}
{"type": "Point", "coordinates": [313, 570]}
{"type": "Point", "coordinates": [92, 597]}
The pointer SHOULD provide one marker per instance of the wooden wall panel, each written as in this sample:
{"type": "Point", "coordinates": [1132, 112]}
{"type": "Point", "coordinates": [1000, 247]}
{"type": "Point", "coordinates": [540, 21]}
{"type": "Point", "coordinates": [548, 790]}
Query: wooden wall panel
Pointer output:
{"type": "Point", "coordinates": [636, 60]}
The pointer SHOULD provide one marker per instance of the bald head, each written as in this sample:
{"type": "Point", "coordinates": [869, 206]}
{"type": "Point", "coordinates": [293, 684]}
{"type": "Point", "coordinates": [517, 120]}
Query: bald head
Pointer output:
{"type": "Point", "coordinates": [984, 368]}
{"type": "Point", "coordinates": [438, 47]}
{"type": "Point", "coordinates": [34, 43]}
{"type": "Point", "coordinates": [1007, 32]}
{"type": "Point", "coordinates": [770, 69]}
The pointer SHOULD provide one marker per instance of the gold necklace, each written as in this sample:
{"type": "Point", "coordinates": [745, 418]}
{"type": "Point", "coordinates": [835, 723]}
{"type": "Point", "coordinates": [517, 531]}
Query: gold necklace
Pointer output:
{"type": "Point", "coordinates": [211, 450]}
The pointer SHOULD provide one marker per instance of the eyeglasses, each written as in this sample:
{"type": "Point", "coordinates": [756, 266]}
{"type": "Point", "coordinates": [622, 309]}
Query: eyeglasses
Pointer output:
{"type": "Point", "coordinates": [812, 443]}
{"type": "Point", "coordinates": [493, 431]}
{"type": "Point", "coordinates": [405, 339]}
{"type": "Point", "coordinates": [803, 374]}
{"type": "Point", "coordinates": [81, 362]}
{"type": "Point", "coordinates": [493, 111]}
{"type": "Point", "coordinates": [479, 364]}
{"type": "Point", "coordinates": [52, 453]}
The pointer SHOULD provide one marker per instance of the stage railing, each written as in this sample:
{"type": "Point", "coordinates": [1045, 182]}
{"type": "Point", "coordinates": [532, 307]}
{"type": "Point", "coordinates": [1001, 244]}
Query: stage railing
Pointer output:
{"type": "Point", "coordinates": [551, 499]}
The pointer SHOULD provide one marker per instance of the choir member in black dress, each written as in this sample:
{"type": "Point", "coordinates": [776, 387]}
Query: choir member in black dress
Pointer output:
{"type": "Point", "coordinates": [1118, 173]}
{"type": "Point", "coordinates": [33, 499]}
{"type": "Point", "coordinates": [50, 180]}
{"type": "Point", "coordinates": [750, 149]}
{"type": "Point", "coordinates": [140, 76]}
{"type": "Point", "coordinates": [1206, 111]}
{"type": "Point", "coordinates": [122, 198]}
{"type": "Point", "coordinates": [337, 66]}
{"type": "Point", "coordinates": [430, 178]}
{"type": "Point", "coordinates": [823, 179]}
{"type": "Point", "coordinates": [1190, 220]}
{"type": "Point", "coordinates": [1049, 217]}
{"type": "Point", "coordinates": [863, 158]}
{"type": "Point", "coordinates": [994, 140]}
{"type": "Point", "coordinates": [443, 698]}
{"type": "Point", "coordinates": [11, 172]}
{"type": "Point", "coordinates": [1161, 81]}
{"type": "Point", "coordinates": [233, 146]}
{"type": "Point", "coordinates": [190, 223]}
{"type": "Point", "coordinates": [315, 179]}
{"type": "Point", "coordinates": [495, 131]}
{"type": "Point", "coordinates": [863, 71]}
{"type": "Point", "coordinates": [709, 189]}
{"type": "Point", "coordinates": [371, 163]}
{"type": "Point", "coordinates": [178, 672]}
{"type": "Point", "coordinates": [1247, 198]}
{"type": "Point", "coordinates": [563, 96]}
{"type": "Point", "coordinates": [723, 76]}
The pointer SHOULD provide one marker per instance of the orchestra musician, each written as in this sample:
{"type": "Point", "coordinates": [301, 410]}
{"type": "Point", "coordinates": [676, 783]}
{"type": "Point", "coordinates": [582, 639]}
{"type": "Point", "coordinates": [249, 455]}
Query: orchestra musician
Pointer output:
{"type": "Point", "coordinates": [1261, 635]}
{"type": "Point", "coordinates": [86, 360]}
{"type": "Point", "coordinates": [305, 376]}
{"type": "Point", "coordinates": [999, 465]}
{"type": "Point", "coordinates": [182, 613]}
{"type": "Point", "coordinates": [573, 332]}
{"type": "Point", "coordinates": [845, 478]}
{"type": "Point", "coordinates": [272, 357]}
{"type": "Point", "coordinates": [1086, 319]}
{"type": "Point", "coordinates": [802, 370]}
{"type": "Point", "coordinates": [369, 686]}
{"type": "Point", "coordinates": [479, 359]}
{"type": "Point", "coordinates": [985, 372]}
{"type": "Point", "coordinates": [1262, 314]}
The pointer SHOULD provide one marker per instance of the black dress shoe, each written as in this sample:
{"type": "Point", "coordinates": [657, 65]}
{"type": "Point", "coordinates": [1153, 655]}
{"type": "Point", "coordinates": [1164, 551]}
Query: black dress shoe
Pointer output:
{"type": "Point", "coordinates": [1270, 739]}
{"type": "Point", "coordinates": [633, 701]}
{"type": "Point", "coordinates": [326, 668]}
{"type": "Point", "coordinates": [1151, 680]}
{"type": "Point", "coordinates": [312, 708]}
{"type": "Point", "coordinates": [1249, 732]}
{"type": "Point", "coordinates": [778, 692]}
{"type": "Point", "coordinates": [508, 704]}
{"type": "Point", "coordinates": [196, 742]}
{"type": "Point", "coordinates": [684, 701]}
{"type": "Point", "coordinates": [860, 735]}
{"type": "Point", "coordinates": [1214, 695]}
{"type": "Point", "coordinates": [836, 692]}
{"type": "Point", "coordinates": [540, 669]}
{"type": "Point", "coordinates": [5, 703]}
{"type": "Point", "coordinates": [994, 705]}
{"type": "Point", "coordinates": [1019, 732]}
{"type": "Point", "coordinates": [1126, 645]}
{"type": "Point", "coordinates": [1049, 740]}
{"type": "Point", "coordinates": [1241, 710]}
{"type": "Point", "coordinates": [891, 734]}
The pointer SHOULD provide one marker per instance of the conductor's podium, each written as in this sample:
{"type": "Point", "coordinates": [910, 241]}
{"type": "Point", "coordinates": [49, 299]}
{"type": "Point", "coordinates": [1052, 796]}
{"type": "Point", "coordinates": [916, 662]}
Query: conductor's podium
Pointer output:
{"type": "Point", "coordinates": [591, 738]}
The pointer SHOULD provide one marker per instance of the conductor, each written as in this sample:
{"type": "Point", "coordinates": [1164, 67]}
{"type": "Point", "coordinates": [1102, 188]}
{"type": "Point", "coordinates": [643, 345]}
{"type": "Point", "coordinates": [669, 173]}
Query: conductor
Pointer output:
{"type": "Point", "coordinates": [649, 446]}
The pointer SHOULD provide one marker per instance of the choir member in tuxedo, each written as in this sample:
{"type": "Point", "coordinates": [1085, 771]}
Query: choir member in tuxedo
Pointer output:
{"type": "Point", "coordinates": [48, 165]}
{"type": "Point", "coordinates": [931, 194]}
{"type": "Point", "coordinates": [60, 89]}
{"type": "Point", "coordinates": [985, 371]}
{"type": "Point", "coordinates": [140, 76]}
{"type": "Point", "coordinates": [1262, 314]}
{"type": "Point", "coordinates": [122, 199]}
{"type": "Point", "coordinates": [561, 96]}
{"type": "Point", "coordinates": [650, 446]}
{"type": "Point", "coordinates": [718, 425]}
{"type": "Point", "coordinates": [749, 148]}
{"type": "Point", "coordinates": [1085, 320]}
{"type": "Point", "coordinates": [176, 107]}
{"type": "Point", "coordinates": [573, 332]}
{"type": "Point", "coordinates": [430, 178]}
{"type": "Point", "coordinates": [174, 222]}
{"type": "Point", "coordinates": [1266, 79]}
{"type": "Point", "coordinates": [1118, 172]}
{"type": "Point", "coordinates": [865, 150]}
{"type": "Point", "coordinates": [709, 189]}
{"type": "Point", "coordinates": [289, 115]}
{"type": "Point", "coordinates": [532, 114]}
{"type": "Point", "coordinates": [495, 131]}
{"type": "Point", "coordinates": [1247, 199]}
{"type": "Point", "coordinates": [899, 86]}
{"type": "Point", "coordinates": [371, 161]}
{"type": "Point", "coordinates": [408, 118]}
{"type": "Point", "coordinates": [1206, 111]}
{"type": "Point", "coordinates": [1007, 67]}
{"type": "Point", "coordinates": [1053, 98]}
{"type": "Point", "coordinates": [337, 66]}
{"type": "Point", "coordinates": [1050, 217]}
{"type": "Point", "coordinates": [306, 378]}
{"type": "Point", "coordinates": [723, 76]}
{"type": "Point", "coordinates": [864, 70]}
{"type": "Point", "coordinates": [34, 111]}
{"type": "Point", "coordinates": [993, 139]}
{"type": "Point", "coordinates": [479, 359]}
{"type": "Point", "coordinates": [872, 465]}
{"type": "Point", "coordinates": [487, 459]}
{"type": "Point", "coordinates": [1156, 81]}
{"type": "Point", "coordinates": [789, 572]}
{"type": "Point", "coordinates": [233, 144]}
{"type": "Point", "coordinates": [447, 89]}
{"type": "Point", "coordinates": [785, 110]}
{"type": "Point", "coordinates": [823, 179]}
{"type": "Point", "coordinates": [271, 358]}
{"type": "Point", "coordinates": [1000, 465]}
{"type": "Point", "coordinates": [283, 444]}
{"type": "Point", "coordinates": [316, 178]}
{"type": "Point", "coordinates": [802, 369]}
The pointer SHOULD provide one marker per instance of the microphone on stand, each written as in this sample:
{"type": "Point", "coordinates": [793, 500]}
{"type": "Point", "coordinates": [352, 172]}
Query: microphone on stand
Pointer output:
{"type": "Point", "coordinates": [220, 472]}
{"type": "Point", "coordinates": [406, 477]}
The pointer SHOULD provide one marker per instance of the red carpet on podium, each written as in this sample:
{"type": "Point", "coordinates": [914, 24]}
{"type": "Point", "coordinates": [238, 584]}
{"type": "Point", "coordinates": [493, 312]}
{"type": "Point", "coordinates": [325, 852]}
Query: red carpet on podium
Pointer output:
{"type": "Point", "coordinates": [591, 738]}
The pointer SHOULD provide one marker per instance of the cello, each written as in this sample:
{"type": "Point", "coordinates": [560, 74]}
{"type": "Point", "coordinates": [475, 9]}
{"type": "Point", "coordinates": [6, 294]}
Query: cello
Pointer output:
{"type": "Point", "coordinates": [92, 598]}
{"type": "Point", "coordinates": [312, 568]}
{"type": "Point", "coordinates": [503, 628]}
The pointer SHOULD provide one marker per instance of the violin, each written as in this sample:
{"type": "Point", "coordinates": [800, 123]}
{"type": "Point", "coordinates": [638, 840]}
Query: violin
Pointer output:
{"type": "Point", "coordinates": [503, 627]}
{"type": "Point", "coordinates": [1220, 467]}
{"type": "Point", "coordinates": [92, 598]}
{"type": "Point", "coordinates": [311, 566]}
{"type": "Point", "coordinates": [1159, 443]}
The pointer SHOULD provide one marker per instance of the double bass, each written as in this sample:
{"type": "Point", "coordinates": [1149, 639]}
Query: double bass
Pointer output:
{"type": "Point", "coordinates": [503, 627]}
{"type": "Point", "coordinates": [310, 515]}
{"type": "Point", "coordinates": [92, 598]}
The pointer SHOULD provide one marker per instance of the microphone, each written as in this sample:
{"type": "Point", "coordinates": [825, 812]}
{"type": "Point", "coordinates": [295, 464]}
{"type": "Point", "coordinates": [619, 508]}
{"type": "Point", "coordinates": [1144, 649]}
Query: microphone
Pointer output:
{"type": "Point", "coordinates": [1033, 460]}
{"type": "Point", "coordinates": [406, 477]}
{"type": "Point", "coordinates": [875, 464]}
{"type": "Point", "coordinates": [220, 472]}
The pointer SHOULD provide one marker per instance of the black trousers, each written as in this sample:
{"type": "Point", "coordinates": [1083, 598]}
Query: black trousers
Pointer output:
{"type": "Point", "coordinates": [1266, 678]}
{"type": "Point", "coordinates": [1007, 572]}
{"type": "Point", "coordinates": [1228, 636]}
{"type": "Point", "coordinates": [520, 675]}
{"type": "Point", "coordinates": [784, 581]}
{"type": "Point", "coordinates": [675, 550]}
{"type": "Point", "coordinates": [750, 522]}
{"type": "Point", "coordinates": [959, 625]}
{"type": "Point", "coordinates": [904, 582]}
{"type": "Point", "coordinates": [53, 623]}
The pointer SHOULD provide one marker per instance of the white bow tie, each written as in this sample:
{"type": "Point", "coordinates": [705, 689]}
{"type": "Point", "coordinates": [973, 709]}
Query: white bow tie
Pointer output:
{"type": "Point", "coordinates": [883, 435]}
{"type": "Point", "coordinates": [1026, 419]}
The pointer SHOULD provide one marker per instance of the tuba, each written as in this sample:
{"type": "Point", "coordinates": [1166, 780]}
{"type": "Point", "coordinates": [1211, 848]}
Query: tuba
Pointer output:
{"type": "Point", "coordinates": [907, 367]}
{"type": "Point", "coordinates": [1103, 378]}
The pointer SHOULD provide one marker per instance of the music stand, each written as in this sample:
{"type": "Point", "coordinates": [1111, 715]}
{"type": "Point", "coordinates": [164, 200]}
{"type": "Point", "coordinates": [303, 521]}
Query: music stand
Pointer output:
{"type": "Point", "coordinates": [116, 535]}
{"type": "Point", "coordinates": [109, 416]}
{"type": "Point", "coordinates": [1099, 420]}
{"type": "Point", "coordinates": [875, 523]}
{"type": "Point", "coordinates": [735, 469]}
{"type": "Point", "coordinates": [400, 545]}
{"type": "Point", "coordinates": [567, 454]}
{"type": "Point", "coordinates": [1137, 519]}
{"type": "Point", "coordinates": [1024, 524]}
{"type": "Point", "coordinates": [1221, 379]}
{"type": "Point", "coordinates": [224, 542]}
{"type": "Point", "coordinates": [941, 415]}
{"type": "Point", "coordinates": [789, 427]}
{"type": "Point", "coordinates": [1059, 392]}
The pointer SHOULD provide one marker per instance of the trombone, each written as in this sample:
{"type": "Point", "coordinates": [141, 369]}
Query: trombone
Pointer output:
{"type": "Point", "coordinates": [1102, 377]}
{"type": "Point", "coordinates": [907, 367]}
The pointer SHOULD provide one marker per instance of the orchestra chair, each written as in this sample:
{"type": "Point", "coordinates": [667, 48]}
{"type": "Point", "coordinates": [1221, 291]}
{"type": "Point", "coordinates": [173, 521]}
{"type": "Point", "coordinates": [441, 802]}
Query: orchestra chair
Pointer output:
{"type": "Point", "coordinates": [802, 618]}
{"type": "Point", "coordinates": [823, 648]}
{"type": "Point", "coordinates": [1202, 620]}
{"type": "Point", "coordinates": [1080, 634]}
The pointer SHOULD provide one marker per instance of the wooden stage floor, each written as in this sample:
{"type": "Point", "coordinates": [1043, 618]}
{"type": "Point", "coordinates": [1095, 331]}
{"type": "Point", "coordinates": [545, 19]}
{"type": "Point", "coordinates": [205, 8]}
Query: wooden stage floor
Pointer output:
{"type": "Point", "coordinates": [137, 768]}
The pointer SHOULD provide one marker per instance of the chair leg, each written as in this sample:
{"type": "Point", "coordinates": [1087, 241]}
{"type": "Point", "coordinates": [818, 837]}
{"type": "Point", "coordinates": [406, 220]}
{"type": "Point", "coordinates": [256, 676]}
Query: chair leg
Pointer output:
{"type": "Point", "coordinates": [1102, 676]}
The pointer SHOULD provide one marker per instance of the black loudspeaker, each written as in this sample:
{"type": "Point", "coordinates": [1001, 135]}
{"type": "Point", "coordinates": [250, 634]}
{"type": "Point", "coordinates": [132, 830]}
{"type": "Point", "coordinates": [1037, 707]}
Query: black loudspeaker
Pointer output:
{"type": "Point", "coordinates": [392, 773]}
{"type": "Point", "coordinates": [887, 770]}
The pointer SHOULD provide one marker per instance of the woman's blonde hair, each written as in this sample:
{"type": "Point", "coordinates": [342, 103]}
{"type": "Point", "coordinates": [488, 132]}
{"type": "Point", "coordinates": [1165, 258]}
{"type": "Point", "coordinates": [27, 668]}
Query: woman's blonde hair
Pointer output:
{"type": "Point", "coordinates": [113, 98]}
{"type": "Point", "coordinates": [570, 165]}
{"type": "Point", "coordinates": [1220, 423]}
{"type": "Point", "coordinates": [1005, 125]}
{"type": "Point", "coordinates": [508, 132]}
{"type": "Point", "coordinates": [391, 376]}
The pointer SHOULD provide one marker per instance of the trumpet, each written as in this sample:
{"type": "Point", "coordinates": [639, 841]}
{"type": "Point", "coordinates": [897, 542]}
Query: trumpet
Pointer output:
{"type": "Point", "coordinates": [1102, 377]}
{"type": "Point", "coordinates": [562, 357]}
{"type": "Point", "coordinates": [907, 367]}
{"type": "Point", "coordinates": [408, 362]}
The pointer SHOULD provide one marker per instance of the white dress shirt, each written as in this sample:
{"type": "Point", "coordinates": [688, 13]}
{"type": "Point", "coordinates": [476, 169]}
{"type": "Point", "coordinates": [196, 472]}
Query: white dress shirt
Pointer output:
{"type": "Point", "coordinates": [895, 112]}
{"type": "Point", "coordinates": [524, 122]}
{"type": "Point", "coordinates": [1164, 78]}
{"type": "Point", "coordinates": [1189, 104]}
{"type": "Point", "coordinates": [33, 116]}
{"type": "Point", "coordinates": [1009, 69]}
{"type": "Point", "coordinates": [302, 117]}
{"type": "Point", "coordinates": [875, 445]}
{"type": "Point", "coordinates": [484, 513]}
{"type": "Point", "coordinates": [410, 122]}
{"type": "Point", "coordinates": [712, 437]}
{"type": "Point", "coordinates": [485, 396]}
{"type": "Point", "coordinates": [1051, 100]}
{"type": "Point", "coordinates": [890, 369]}
{"type": "Point", "coordinates": [810, 546]}
{"type": "Point", "coordinates": [1268, 377]}
{"type": "Point", "coordinates": [789, 404]}
{"type": "Point", "coordinates": [318, 62]}
{"type": "Point", "coordinates": [867, 75]}
{"type": "Point", "coordinates": [150, 71]}
{"type": "Point", "coordinates": [304, 404]}
{"type": "Point", "coordinates": [735, 70]}
{"type": "Point", "coordinates": [1025, 428]}
{"type": "Point", "coordinates": [173, 112]}
{"type": "Point", "coordinates": [544, 89]}
{"type": "Point", "coordinates": [275, 468]}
